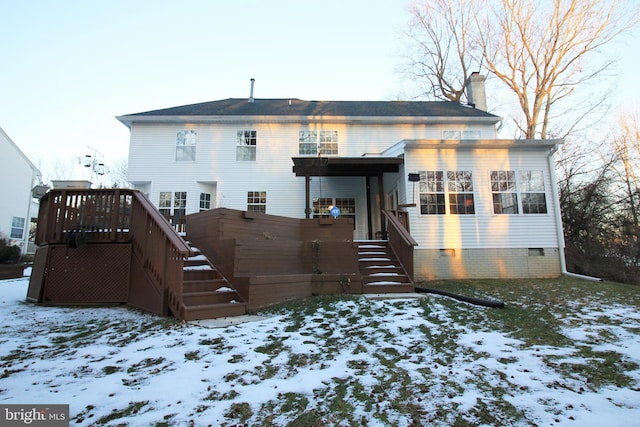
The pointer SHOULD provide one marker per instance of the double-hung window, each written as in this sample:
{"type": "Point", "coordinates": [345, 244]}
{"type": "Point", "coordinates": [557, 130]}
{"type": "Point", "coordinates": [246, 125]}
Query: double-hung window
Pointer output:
{"type": "Point", "coordinates": [460, 186]}
{"type": "Point", "coordinates": [205, 201]}
{"type": "Point", "coordinates": [173, 205]}
{"type": "Point", "coordinates": [308, 142]}
{"type": "Point", "coordinates": [504, 192]}
{"type": "Point", "coordinates": [324, 143]}
{"type": "Point", "coordinates": [257, 201]}
{"type": "Point", "coordinates": [518, 192]}
{"type": "Point", "coordinates": [186, 145]}
{"type": "Point", "coordinates": [452, 190]}
{"type": "Point", "coordinates": [432, 193]}
{"type": "Point", "coordinates": [246, 145]}
{"type": "Point", "coordinates": [534, 200]}
{"type": "Point", "coordinates": [17, 227]}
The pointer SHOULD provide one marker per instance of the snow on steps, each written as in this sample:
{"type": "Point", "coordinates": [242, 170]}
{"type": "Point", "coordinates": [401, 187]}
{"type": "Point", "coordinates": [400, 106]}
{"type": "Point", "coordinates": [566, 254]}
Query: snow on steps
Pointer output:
{"type": "Point", "coordinates": [206, 293]}
{"type": "Point", "coordinates": [381, 272]}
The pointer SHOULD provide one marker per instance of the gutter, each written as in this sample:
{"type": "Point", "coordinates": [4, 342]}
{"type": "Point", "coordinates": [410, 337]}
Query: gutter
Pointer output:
{"type": "Point", "coordinates": [559, 229]}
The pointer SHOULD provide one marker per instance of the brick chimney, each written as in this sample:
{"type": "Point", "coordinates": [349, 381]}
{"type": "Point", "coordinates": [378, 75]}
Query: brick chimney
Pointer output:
{"type": "Point", "coordinates": [474, 89]}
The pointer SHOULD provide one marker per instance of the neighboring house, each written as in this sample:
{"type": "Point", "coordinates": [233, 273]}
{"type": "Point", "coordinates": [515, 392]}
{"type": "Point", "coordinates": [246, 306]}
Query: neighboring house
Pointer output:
{"type": "Point", "coordinates": [478, 206]}
{"type": "Point", "coordinates": [19, 208]}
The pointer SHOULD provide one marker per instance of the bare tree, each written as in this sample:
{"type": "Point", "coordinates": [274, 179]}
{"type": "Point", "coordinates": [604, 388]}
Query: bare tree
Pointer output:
{"type": "Point", "coordinates": [626, 151]}
{"type": "Point", "coordinates": [441, 46]}
{"type": "Point", "coordinates": [543, 52]}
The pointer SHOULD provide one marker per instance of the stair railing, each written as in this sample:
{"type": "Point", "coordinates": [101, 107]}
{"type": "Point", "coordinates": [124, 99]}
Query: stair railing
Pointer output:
{"type": "Point", "coordinates": [400, 240]}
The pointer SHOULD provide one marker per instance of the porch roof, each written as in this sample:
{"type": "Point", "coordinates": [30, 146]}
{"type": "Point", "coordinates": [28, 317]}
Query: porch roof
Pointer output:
{"type": "Point", "coordinates": [345, 166]}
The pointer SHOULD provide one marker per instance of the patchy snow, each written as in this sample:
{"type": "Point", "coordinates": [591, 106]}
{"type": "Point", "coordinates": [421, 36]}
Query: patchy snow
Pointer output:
{"type": "Point", "coordinates": [225, 289]}
{"type": "Point", "coordinates": [102, 360]}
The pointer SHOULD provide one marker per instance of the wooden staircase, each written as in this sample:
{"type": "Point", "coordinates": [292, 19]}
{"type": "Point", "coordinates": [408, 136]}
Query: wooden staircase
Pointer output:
{"type": "Point", "coordinates": [381, 272]}
{"type": "Point", "coordinates": [206, 293]}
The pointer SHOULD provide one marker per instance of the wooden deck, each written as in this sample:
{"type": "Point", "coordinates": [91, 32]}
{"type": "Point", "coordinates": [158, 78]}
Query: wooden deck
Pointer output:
{"type": "Point", "coordinates": [113, 247]}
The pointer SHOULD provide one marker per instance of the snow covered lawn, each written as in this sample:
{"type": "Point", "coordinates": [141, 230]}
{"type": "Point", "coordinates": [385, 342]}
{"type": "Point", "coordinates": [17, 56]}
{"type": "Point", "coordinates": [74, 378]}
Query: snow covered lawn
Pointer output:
{"type": "Point", "coordinates": [560, 354]}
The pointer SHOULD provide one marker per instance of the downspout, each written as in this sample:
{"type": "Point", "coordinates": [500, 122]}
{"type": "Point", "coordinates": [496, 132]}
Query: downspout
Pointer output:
{"type": "Point", "coordinates": [559, 229]}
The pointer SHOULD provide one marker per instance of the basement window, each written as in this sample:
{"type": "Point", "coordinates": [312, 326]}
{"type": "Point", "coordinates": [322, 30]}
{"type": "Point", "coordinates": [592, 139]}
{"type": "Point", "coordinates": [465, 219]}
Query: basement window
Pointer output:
{"type": "Point", "coordinates": [536, 252]}
{"type": "Point", "coordinates": [447, 252]}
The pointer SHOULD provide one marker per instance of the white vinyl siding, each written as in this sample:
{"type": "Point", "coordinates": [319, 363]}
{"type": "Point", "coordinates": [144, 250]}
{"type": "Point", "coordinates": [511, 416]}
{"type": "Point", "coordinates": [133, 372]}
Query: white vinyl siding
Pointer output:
{"type": "Point", "coordinates": [484, 229]}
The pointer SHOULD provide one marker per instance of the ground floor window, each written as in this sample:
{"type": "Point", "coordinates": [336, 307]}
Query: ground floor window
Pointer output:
{"type": "Point", "coordinates": [503, 191]}
{"type": "Point", "coordinates": [173, 205]}
{"type": "Point", "coordinates": [456, 187]}
{"type": "Point", "coordinates": [17, 227]}
{"type": "Point", "coordinates": [257, 201]}
{"type": "Point", "coordinates": [322, 207]}
{"type": "Point", "coordinates": [528, 190]}
{"type": "Point", "coordinates": [205, 201]}
{"type": "Point", "coordinates": [534, 200]}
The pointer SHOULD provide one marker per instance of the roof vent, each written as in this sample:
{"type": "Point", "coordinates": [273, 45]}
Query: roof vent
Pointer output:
{"type": "Point", "coordinates": [251, 93]}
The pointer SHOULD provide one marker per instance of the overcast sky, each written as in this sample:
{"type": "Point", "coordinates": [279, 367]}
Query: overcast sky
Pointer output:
{"type": "Point", "coordinates": [67, 68]}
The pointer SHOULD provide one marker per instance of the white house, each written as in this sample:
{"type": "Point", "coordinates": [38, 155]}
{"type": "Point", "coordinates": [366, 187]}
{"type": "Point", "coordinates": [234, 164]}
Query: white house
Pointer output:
{"type": "Point", "coordinates": [478, 206]}
{"type": "Point", "coordinates": [18, 209]}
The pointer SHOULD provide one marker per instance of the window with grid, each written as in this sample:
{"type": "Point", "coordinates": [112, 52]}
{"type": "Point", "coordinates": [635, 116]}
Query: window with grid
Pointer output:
{"type": "Point", "coordinates": [179, 205]}
{"type": "Point", "coordinates": [257, 201]}
{"type": "Point", "coordinates": [205, 201]}
{"type": "Point", "coordinates": [308, 142]}
{"type": "Point", "coordinates": [504, 192]}
{"type": "Point", "coordinates": [17, 227]}
{"type": "Point", "coordinates": [328, 142]}
{"type": "Point", "coordinates": [534, 200]}
{"type": "Point", "coordinates": [432, 193]}
{"type": "Point", "coordinates": [460, 186]}
{"type": "Point", "coordinates": [186, 145]}
{"type": "Point", "coordinates": [164, 205]}
{"type": "Point", "coordinates": [322, 206]}
{"type": "Point", "coordinates": [246, 145]}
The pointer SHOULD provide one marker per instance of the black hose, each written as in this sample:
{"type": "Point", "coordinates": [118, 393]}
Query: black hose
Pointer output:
{"type": "Point", "coordinates": [476, 301]}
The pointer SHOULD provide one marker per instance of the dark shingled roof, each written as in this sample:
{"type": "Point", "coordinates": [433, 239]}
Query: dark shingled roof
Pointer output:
{"type": "Point", "coordinates": [298, 107]}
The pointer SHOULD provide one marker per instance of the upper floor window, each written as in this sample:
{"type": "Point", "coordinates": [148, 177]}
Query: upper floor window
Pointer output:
{"type": "Point", "coordinates": [257, 201]}
{"type": "Point", "coordinates": [186, 145]}
{"type": "Point", "coordinates": [310, 143]}
{"type": "Point", "coordinates": [17, 227]}
{"type": "Point", "coordinates": [457, 189]}
{"type": "Point", "coordinates": [456, 134]}
{"type": "Point", "coordinates": [246, 145]}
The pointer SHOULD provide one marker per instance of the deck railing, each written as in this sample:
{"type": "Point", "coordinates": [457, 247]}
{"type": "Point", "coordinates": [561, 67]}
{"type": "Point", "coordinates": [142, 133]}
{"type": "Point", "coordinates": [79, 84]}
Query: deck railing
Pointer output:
{"type": "Point", "coordinates": [400, 239]}
{"type": "Point", "coordinates": [81, 217]}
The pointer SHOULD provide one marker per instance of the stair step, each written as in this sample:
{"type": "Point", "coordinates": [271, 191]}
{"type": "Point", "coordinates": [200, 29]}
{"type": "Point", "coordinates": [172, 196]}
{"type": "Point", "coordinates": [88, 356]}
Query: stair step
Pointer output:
{"type": "Point", "coordinates": [214, 311]}
{"type": "Point", "coordinates": [206, 285]}
{"type": "Point", "coordinates": [192, 275]}
{"type": "Point", "coordinates": [209, 297]}
{"type": "Point", "coordinates": [387, 278]}
{"type": "Point", "coordinates": [387, 288]}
